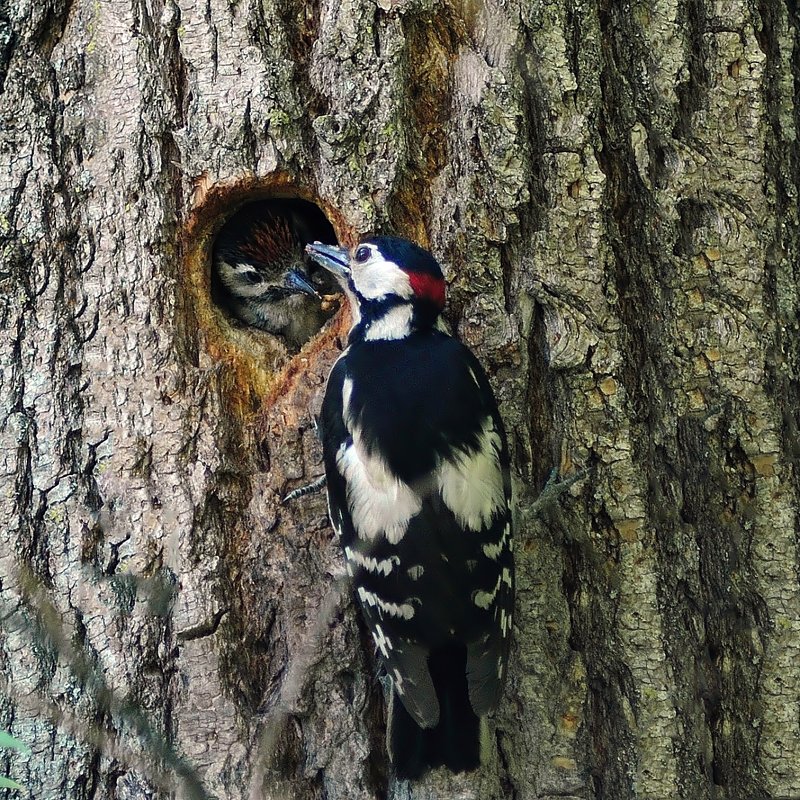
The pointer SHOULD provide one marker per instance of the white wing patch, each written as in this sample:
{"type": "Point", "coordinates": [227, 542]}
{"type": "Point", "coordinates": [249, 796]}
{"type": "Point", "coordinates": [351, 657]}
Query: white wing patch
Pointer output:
{"type": "Point", "coordinates": [379, 503]}
{"type": "Point", "coordinates": [471, 482]}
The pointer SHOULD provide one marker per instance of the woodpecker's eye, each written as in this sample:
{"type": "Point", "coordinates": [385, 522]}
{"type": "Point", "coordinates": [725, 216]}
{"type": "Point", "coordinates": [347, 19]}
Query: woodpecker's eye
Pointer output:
{"type": "Point", "coordinates": [362, 254]}
{"type": "Point", "coordinates": [252, 277]}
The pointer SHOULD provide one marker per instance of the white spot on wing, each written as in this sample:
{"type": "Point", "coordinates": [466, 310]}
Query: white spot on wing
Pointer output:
{"type": "Point", "coordinates": [505, 622]}
{"type": "Point", "coordinates": [471, 482]}
{"type": "Point", "coordinates": [415, 572]}
{"type": "Point", "coordinates": [493, 550]}
{"type": "Point", "coordinates": [383, 644]}
{"type": "Point", "coordinates": [485, 599]}
{"type": "Point", "coordinates": [402, 610]}
{"type": "Point", "coordinates": [347, 393]}
{"type": "Point", "coordinates": [383, 566]}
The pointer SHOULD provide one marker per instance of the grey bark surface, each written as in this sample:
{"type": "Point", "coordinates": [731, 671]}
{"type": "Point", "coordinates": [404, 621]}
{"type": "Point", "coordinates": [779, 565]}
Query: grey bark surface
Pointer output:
{"type": "Point", "coordinates": [612, 190]}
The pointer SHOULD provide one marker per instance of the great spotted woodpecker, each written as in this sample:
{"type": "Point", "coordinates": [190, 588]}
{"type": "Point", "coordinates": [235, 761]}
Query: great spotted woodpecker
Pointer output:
{"type": "Point", "coordinates": [419, 491]}
{"type": "Point", "coordinates": [259, 271]}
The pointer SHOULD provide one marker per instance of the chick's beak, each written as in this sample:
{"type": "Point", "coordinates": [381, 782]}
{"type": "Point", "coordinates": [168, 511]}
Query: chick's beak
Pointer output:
{"type": "Point", "coordinates": [296, 281]}
{"type": "Point", "coordinates": [334, 259]}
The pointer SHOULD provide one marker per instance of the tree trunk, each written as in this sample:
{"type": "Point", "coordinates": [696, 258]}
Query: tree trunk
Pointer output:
{"type": "Point", "coordinates": [612, 191]}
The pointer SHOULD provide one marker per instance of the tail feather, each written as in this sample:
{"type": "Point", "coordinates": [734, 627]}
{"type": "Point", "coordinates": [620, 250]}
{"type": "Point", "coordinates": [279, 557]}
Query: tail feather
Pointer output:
{"type": "Point", "coordinates": [455, 742]}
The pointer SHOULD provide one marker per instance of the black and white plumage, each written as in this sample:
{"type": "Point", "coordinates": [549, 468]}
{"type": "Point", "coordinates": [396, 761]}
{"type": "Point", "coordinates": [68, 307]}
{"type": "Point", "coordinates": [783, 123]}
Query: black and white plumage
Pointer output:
{"type": "Point", "coordinates": [260, 272]}
{"type": "Point", "coordinates": [419, 491]}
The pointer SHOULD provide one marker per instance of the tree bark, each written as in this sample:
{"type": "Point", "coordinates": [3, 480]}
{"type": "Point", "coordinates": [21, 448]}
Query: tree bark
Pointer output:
{"type": "Point", "coordinates": [612, 191]}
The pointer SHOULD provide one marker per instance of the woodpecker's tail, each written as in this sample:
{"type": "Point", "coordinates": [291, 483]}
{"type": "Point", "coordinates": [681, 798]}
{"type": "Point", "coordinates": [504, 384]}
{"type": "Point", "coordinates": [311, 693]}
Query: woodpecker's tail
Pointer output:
{"type": "Point", "coordinates": [455, 742]}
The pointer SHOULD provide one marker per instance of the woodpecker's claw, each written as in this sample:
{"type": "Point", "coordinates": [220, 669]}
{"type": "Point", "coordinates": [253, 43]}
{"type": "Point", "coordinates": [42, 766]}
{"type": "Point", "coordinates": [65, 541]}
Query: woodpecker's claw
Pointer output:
{"type": "Point", "coordinates": [312, 488]}
{"type": "Point", "coordinates": [555, 487]}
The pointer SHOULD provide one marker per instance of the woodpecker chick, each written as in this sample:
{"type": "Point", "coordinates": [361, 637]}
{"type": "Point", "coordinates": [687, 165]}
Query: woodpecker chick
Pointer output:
{"type": "Point", "coordinates": [259, 271]}
{"type": "Point", "coordinates": [419, 494]}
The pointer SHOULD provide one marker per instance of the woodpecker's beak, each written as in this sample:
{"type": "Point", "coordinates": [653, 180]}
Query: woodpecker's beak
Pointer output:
{"type": "Point", "coordinates": [335, 259]}
{"type": "Point", "coordinates": [295, 280]}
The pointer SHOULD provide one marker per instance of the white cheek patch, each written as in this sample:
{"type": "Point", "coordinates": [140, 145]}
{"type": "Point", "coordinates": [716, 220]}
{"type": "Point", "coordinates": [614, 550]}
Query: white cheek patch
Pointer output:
{"type": "Point", "coordinates": [378, 278]}
{"type": "Point", "coordinates": [379, 503]}
{"type": "Point", "coordinates": [471, 482]}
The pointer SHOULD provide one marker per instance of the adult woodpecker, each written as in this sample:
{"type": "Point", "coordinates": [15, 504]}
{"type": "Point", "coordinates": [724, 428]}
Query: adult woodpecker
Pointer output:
{"type": "Point", "coordinates": [418, 482]}
{"type": "Point", "coordinates": [259, 272]}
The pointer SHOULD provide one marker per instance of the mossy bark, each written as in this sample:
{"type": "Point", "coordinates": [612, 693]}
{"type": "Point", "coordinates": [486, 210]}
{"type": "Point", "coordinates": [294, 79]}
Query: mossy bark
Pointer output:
{"type": "Point", "coordinates": [612, 190]}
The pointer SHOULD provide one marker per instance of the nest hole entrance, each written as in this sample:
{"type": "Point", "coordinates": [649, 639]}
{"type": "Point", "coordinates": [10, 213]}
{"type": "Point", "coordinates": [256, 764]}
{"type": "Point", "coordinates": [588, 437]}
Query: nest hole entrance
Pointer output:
{"type": "Point", "coordinates": [261, 276]}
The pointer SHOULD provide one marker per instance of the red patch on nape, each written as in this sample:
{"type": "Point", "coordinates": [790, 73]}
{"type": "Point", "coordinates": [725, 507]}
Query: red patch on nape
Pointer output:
{"type": "Point", "coordinates": [428, 287]}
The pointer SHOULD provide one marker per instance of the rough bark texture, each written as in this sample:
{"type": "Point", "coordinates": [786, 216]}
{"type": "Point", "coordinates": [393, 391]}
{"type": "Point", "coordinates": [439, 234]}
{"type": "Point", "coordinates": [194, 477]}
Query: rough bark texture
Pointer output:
{"type": "Point", "coordinates": [612, 189]}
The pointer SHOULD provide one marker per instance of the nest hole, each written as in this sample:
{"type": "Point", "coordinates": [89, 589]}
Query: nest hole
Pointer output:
{"type": "Point", "coordinates": [261, 277]}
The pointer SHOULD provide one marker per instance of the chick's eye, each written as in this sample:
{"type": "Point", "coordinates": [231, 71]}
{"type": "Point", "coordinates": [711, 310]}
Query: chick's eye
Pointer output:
{"type": "Point", "coordinates": [362, 254]}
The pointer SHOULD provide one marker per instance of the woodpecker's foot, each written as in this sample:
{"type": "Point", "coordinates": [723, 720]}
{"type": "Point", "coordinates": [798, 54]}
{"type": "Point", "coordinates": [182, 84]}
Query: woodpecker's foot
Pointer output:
{"type": "Point", "coordinates": [554, 488]}
{"type": "Point", "coordinates": [312, 488]}
{"type": "Point", "coordinates": [317, 430]}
